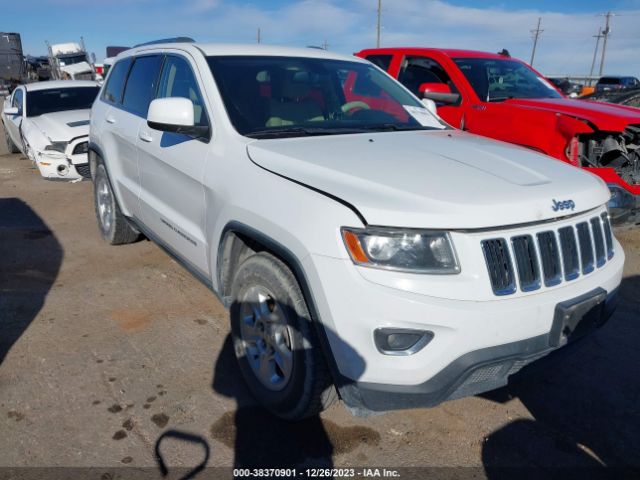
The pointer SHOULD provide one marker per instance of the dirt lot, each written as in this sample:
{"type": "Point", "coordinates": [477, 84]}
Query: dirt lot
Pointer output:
{"type": "Point", "coordinates": [103, 349]}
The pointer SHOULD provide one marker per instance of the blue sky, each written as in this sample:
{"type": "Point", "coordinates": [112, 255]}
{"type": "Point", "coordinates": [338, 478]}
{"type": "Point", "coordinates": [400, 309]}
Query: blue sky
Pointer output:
{"type": "Point", "coordinates": [566, 46]}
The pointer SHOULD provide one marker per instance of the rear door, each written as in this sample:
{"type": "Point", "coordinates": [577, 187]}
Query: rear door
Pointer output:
{"type": "Point", "coordinates": [171, 165]}
{"type": "Point", "coordinates": [123, 122]}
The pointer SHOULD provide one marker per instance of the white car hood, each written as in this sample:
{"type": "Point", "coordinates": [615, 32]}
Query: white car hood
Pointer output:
{"type": "Point", "coordinates": [76, 68]}
{"type": "Point", "coordinates": [63, 126]}
{"type": "Point", "coordinates": [435, 179]}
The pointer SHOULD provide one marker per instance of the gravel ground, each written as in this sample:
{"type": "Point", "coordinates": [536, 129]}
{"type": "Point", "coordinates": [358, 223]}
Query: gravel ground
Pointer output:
{"type": "Point", "coordinates": [104, 349]}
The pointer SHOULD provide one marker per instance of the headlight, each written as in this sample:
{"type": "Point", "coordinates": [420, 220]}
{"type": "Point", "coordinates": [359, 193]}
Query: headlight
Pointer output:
{"type": "Point", "coordinates": [57, 146]}
{"type": "Point", "coordinates": [81, 148]}
{"type": "Point", "coordinates": [417, 251]}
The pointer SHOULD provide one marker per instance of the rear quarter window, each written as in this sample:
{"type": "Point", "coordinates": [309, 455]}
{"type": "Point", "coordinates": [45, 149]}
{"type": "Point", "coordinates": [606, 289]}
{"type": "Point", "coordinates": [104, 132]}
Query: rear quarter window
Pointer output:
{"type": "Point", "coordinates": [115, 83]}
{"type": "Point", "coordinates": [380, 61]}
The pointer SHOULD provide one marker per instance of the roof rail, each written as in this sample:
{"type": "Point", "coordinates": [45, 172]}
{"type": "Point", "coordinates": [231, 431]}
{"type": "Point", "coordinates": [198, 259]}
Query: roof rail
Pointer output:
{"type": "Point", "coordinates": [166, 40]}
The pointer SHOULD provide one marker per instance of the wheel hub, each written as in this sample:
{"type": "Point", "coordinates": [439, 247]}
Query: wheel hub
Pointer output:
{"type": "Point", "coordinates": [266, 338]}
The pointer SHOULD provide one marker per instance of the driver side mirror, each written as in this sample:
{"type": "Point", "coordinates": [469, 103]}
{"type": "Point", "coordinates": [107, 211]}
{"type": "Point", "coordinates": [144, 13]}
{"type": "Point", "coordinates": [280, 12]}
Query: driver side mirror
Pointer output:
{"type": "Point", "coordinates": [176, 115]}
{"type": "Point", "coordinates": [438, 92]}
{"type": "Point", "coordinates": [12, 111]}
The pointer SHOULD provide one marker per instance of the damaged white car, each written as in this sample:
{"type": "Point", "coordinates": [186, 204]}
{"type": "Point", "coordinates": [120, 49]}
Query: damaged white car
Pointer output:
{"type": "Point", "coordinates": [49, 123]}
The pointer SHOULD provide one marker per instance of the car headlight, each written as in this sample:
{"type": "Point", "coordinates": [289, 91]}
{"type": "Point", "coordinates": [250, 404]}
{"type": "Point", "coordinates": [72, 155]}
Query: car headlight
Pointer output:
{"type": "Point", "coordinates": [57, 146]}
{"type": "Point", "coordinates": [417, 251]}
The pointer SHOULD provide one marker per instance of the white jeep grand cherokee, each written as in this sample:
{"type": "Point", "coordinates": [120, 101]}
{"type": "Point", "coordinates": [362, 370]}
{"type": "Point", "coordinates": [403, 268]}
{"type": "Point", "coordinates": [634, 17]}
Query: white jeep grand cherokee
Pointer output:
{"type": "Point", "coordinates": [364, 247]}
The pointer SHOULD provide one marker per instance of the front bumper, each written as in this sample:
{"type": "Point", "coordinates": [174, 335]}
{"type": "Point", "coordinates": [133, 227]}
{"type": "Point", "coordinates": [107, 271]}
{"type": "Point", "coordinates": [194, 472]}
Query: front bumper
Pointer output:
{"type": "Point", "coordinates": [478, 371]}
{"type": "Point", "coordinates": [475, 347]}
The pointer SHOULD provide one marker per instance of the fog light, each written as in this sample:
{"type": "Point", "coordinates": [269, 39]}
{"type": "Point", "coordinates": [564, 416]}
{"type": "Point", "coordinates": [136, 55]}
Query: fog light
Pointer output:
{"type": "Point", "coordinates": [397, 341]}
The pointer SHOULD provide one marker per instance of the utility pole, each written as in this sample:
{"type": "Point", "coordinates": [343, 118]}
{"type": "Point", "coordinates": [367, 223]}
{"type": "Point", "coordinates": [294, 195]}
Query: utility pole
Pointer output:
{"type": "Point", "coordinates": [259, 37]}
{"type": "Point", "coordinates": [378, 29]}
{"type": "Point", "coordinates": [595, 52]}
{"type": "Point", "coordinates": [605, 33]}
{"type": "Point", "coordinates": [325, 45]}
{"type": "Point", "coordinates": [536, 34]}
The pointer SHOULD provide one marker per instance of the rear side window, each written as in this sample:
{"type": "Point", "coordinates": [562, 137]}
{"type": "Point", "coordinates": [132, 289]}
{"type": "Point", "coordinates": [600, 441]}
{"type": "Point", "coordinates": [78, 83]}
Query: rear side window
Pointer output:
{"type": "Point", "coordinates": [115, 83]}
{"type": "Point", "coordinates": [178, 80]}
{"type": "Point", "coordinates": [381, 61]}
{"type": "Point", "coordinates": [141, 84]}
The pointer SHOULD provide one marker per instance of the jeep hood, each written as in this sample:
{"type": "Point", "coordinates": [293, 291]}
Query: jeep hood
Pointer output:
{"type": "Point", "coordinates": [604, 116]}
{"type": "Point", "coordinates": [63, 126]}
{"type": "Point", "coordinates": [432, 179]}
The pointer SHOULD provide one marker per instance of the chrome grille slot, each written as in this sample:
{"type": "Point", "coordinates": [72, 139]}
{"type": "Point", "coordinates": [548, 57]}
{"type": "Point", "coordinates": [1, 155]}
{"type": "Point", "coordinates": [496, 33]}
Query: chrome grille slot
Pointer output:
{"type": "Point", "coordinates": [550, 258]}
{"type": "Point", "coordinates": [498, 259]}
{"type": "Point", "coordinates": [598, 241]}
{"type": "Point", "coordinates": [586, 247]}
{"type": "Point", "coordinates": [569, 253]}
{"type": "Point", "coordinates": [608, 236]}
{"type": "Point", "coordinates": [526, 258]}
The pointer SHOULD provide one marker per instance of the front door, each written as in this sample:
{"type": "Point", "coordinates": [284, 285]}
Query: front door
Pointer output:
{"type": "Point", "coordinates": [172, 197]}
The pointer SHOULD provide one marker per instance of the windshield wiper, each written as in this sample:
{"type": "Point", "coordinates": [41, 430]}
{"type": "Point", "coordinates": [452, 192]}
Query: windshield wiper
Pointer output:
{"type": "Point", "coordinates": [302, 132]}
{"type": "Point", "coordinates": [395, 127]}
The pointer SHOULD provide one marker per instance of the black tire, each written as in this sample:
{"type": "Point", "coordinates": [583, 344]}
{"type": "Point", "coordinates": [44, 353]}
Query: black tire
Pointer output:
{"type": "Point", "coordinates": [114, 226]}
{"type": "Point", "coordinates": [12, 147]}
{"type": "Point", "coordinates": [309, 388]}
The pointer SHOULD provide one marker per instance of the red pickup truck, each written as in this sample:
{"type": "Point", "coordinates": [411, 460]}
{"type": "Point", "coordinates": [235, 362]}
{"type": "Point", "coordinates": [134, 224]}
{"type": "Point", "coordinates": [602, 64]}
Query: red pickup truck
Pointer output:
{"type": "Point", "coordinates": [501, 97]}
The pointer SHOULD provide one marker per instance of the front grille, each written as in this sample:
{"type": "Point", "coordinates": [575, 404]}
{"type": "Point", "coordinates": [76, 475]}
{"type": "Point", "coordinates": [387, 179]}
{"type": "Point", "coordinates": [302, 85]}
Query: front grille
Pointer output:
{"type": "Point", "coordinates": [496, 254]}
{"type": "Point", "coordinates": [553, 256]}
{"type": "Point", "coordinates": [83, 169]}
{"type": "Point", "coordinates": [527, 262]}
{"type": "Point", "coordinates": [586, 247]}
{"type": "Point", "coordinates": [550, 256]}
{"type": "Point", "coordinates": [83, 76]}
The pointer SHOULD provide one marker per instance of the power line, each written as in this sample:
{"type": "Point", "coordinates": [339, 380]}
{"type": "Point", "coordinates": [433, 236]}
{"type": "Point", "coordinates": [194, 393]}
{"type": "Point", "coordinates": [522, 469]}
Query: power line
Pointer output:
{"type": "Point", "coordinates": [605, 33]}
{"type": "Point", "coordinates": [536, 35]}
{"type": "Point", "coordinates": [595, 52]}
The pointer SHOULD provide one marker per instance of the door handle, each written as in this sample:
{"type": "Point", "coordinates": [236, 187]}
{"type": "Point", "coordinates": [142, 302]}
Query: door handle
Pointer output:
{"type": "Point", "coordinates": [110, 120]}
{"type": "Point", "coordinates": [145, 137]}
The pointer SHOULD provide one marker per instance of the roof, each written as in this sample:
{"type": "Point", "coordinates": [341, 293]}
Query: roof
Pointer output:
{"type": "Point", "coordinates": [32, 87]}
{"type": "Point", "coordinates": [450, 52]}
{"type": "Point", "coordinates": [213, 49]}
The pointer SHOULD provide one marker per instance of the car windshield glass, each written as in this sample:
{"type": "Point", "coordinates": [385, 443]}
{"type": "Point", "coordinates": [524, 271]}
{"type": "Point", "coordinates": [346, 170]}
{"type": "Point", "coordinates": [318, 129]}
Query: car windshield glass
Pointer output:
{"type": "Point", "coordinates": [52, 100]}
{"type": "Point", "coordinates": [496, 79]}
{"type": "Point", "coordinates": [609, 81]}
{"type": "Point", "coordinates": [71, 59]}
{"type": "Point", "coordinates": [270, 97]}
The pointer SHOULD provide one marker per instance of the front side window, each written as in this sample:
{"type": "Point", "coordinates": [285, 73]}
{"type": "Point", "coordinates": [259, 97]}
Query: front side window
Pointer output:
{"type": "Point", "coordinates": [141, 84]}
{"type": "Point", "coordinates": [40, 102]}
{"type": "Point", "coordinates": [295, 96]}
{"type": "Point", "coordinates": [496, 80]}
{"type": "Point", "coordinates": [418, 70]}
{"type": "Point", "coordinates": [115, 82]}
{"type": "Point", "coordinates": [177, 80]}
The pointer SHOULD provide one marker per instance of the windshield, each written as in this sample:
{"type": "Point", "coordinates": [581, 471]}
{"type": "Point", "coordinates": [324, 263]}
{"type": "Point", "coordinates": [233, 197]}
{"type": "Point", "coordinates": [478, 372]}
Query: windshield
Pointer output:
{"type": "Point", "coordinates": [269, 97]}
{"type": "Point", "coordinates": [496, 80]}
{"type": "Point", "coordinates": [40, 102]}
{"type": "Point", "coordinates": [71, 59]}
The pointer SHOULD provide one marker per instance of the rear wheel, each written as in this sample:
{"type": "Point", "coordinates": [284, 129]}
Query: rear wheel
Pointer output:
{"type": "Point", "coordinates": [114, 226]}
{"type": "Point", "coordinates": [12, 147]}
{"type": "Point", "coordinates": [274, 341]}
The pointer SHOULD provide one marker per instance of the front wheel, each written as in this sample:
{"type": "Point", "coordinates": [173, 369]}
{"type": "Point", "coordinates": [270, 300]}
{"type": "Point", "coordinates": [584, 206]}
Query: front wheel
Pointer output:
{"type": "Point", "coordinates": [114, 226]}
{"type": "Point", "coordinates": [12, 147]}
{"type": "Point", "coordinates": [274, 341]}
